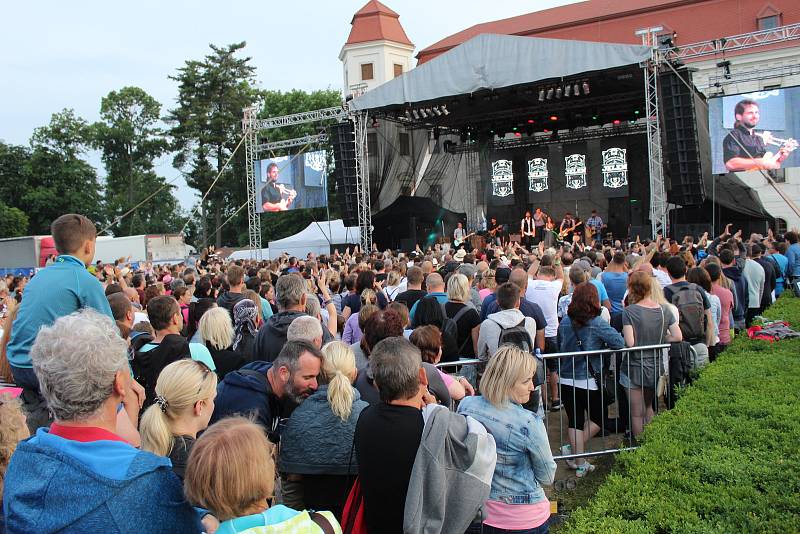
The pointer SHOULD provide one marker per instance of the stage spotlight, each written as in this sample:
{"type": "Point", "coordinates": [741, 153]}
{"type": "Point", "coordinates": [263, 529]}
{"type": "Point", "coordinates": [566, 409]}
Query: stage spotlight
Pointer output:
{"type": "Point", "coordinates": [550, 94]}
{"type": "Point", "coordinates": [430, 112]}
{"type": "Point", "coordinates": [416, 114]}
{"type": "Point", "coordinates": [568, 90]}
{"type": "Point", "coordinates": [444, 110]}
{"type": "Point", "coordinates": [517, 134]}
{"type": "Point", "coordinates": [408, 114]}
{"type": "Point", "coordinates": [616, 122]}
{"type": "Point", "coordinates": [424, 115]}
{"type": "Point", "coordinates": [585, 88]}
{"type": "Point", "coordinates": [576, 89]}
{"type": "Point", "coordinates": [437, 111]}
{"type": "Point", "coordinates": [553, 117]}
{"type": "Point", "coordinates": [558, 92]}
{"type": "Point", "coordinates": [530, 121]}
{"type": "Point", "coordinates": [541, 95]}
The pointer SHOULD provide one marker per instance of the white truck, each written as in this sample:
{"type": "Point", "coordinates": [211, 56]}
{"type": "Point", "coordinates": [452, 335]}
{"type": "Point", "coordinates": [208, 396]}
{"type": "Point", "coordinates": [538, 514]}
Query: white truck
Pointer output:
{"type": "Point", "coordinates": [157, 248]}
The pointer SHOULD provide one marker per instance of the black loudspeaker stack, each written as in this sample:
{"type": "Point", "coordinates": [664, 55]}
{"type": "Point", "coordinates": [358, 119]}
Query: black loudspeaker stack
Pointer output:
{"type": "Point", "coordinates": [344, 152]}
{"type": "Point", "coordinates": [680, 140]}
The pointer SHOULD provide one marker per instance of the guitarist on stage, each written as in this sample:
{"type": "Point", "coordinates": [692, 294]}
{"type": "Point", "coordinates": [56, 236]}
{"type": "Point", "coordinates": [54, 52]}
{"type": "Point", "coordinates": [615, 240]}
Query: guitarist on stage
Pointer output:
{"type": "Point", "coordinates": [594, 227]}
{"type": "Point", "coordinates": [527, 228]}
{"type": "Point", "coordinates": [568, 225]}
{"type": "Point", "coordinates": [495, 231]}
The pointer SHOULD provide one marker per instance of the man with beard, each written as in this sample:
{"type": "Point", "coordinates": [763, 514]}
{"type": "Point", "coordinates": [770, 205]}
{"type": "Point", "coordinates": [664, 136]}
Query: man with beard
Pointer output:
{"type": "Point", "coordinates": [743, 149]}
{"type": "Point", "coordinates": [273, 192]}
{"type": "Point", "coordinates": [270, 390]}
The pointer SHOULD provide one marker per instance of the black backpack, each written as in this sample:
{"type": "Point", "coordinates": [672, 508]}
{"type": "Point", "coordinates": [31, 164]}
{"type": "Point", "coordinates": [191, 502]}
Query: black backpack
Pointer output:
{"type": "Point", "coordinates": [519, 337]}
{"type": "Point", "coordinates": [691, 312]}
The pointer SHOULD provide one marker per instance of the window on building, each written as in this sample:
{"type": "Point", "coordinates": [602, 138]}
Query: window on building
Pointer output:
{"type": "Point", "coordinates": [405, 144]}
{"type": "Point", "coordinates": [366, 72]}
{"type": "Point", "coordinates": [398, 69]}
{"type": "Point", "coordinates": [769, 22]}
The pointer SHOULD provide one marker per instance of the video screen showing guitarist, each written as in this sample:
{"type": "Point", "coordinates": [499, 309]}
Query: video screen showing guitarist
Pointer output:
{"type": "Point", "coordinates": [744, 149]}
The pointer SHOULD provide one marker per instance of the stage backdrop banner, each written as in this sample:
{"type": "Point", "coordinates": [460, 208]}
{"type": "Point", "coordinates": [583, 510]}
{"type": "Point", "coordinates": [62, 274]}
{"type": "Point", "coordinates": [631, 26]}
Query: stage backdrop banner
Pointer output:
{"type": "Point", "coordinates": [301, 178]}
{"type": "Point", "coordinates": [613, 160]}
{"type": "Point", "coordinates": [538, 176]}
{"type": "Point", "coordinates": [501, 178]}
{"type": "Point", "coordinates": [774, 118]}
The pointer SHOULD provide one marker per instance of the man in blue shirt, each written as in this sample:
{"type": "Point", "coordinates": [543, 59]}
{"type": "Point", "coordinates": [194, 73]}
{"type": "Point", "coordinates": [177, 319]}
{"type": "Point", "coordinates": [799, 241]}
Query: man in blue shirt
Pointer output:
{"type": "Point", "coordinates": [778, 256]}
{"type": "Point", "coordinates": [434, 283]}
{"type": "Point", "coordinates": [793, 255]}
{"type": "Point", "coordinates": [58, 290]}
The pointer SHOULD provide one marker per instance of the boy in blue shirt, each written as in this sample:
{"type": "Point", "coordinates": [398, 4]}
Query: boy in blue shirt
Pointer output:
{"type": "Point", "coordinates": [58, 290]}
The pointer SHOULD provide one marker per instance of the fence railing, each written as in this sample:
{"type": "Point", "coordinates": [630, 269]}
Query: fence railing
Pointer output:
{"type": "Point", "coordinates": [606, 396]}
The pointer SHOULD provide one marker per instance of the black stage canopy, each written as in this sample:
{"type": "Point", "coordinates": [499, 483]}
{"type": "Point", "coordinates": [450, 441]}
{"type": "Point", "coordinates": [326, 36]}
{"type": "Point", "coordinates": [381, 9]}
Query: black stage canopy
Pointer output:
{"type": "Point", "coordinates": [410, 220]}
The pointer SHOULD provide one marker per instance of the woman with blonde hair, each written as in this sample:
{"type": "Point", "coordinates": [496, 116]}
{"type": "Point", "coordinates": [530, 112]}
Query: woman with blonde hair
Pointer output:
{"type": "Point", "coordinates": [184, 402]}
{"type": "Point", "coordinates": [231, 474]}
{"type": "Point", "coordinates": [317, 442]}
{"type": "Point", "coordinates": [521, 441]}
{"type": "Point", "coordinates": [393, 286]}
{"type": "Point", "coordinates": [217, 332]}
{"type": "Point", "coordinates": [487, 284]}
{"type": "Point", "coordinates": [459, 308]}
{"type": "Point", "coordinates": [352, 330]}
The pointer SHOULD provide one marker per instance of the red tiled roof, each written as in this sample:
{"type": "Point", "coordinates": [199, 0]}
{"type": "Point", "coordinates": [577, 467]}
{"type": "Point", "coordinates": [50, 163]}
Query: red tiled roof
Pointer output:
{"type": "Point", "coordinates": [376, 22]}
{"type": "Point", "coordinates": [549, 19]}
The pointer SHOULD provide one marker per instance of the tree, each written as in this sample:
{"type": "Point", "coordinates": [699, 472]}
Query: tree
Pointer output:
{"type": "Point", "coordinates": [130, 139]}
{"type": "Point", "coordinates": [14, 160]}
{"type": "Point", "coordinates": [58, 180]}
{"type": "Point", "coordinates": [13, 222]}
{"type": "Point", "coordinates": [206, 127]}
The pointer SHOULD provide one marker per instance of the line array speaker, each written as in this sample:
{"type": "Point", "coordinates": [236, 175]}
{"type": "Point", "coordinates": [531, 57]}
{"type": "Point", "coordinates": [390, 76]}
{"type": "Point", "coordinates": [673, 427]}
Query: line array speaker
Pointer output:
{"type": "Point", "coordinates": [344, 152]}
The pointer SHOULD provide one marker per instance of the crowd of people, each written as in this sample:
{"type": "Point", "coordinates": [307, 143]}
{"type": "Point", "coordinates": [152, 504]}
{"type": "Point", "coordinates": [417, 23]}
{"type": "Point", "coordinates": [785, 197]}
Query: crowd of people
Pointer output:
{"type": "Point", "coordinates": [329, 394]}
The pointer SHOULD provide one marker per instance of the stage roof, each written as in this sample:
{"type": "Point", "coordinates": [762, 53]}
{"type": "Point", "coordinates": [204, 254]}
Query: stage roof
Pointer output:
{"type": "Point", "coordinates": [496, 61]}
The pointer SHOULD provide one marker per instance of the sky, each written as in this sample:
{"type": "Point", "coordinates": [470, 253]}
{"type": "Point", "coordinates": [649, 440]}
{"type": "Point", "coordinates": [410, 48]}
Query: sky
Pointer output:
{"type": "Point", "coordinates": [71, 54]}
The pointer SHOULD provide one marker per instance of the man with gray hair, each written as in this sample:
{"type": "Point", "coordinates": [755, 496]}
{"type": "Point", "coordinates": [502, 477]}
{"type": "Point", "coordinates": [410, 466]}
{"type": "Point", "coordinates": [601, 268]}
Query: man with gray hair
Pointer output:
{"type": "Point", "coordinates": [434, 283]}
{"type": "Point", "coordinates": [305, 328]}
{"type": "Point", "coordinates": [453, 459]}
{"type": "Point", "coordinates": [79, 473]}
{"type": "Point", "coordinates": [290, 293]}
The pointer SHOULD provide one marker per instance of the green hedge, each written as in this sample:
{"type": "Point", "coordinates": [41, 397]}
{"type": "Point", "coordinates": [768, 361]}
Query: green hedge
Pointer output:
{"type": "Point", "coordinates": [724, 460]}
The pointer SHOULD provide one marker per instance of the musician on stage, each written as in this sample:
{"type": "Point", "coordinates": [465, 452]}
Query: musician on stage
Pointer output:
{"type": "Point", "coordinates": [743, 149]}
{"type": "Point", "coordinates": [527, 228]}
{"type": "Point", "coordinates": [539, 220]}
{"type": "Point", "coordinates": [273, 192]}
{"type": "Point", "coordinates": [550, 235]}
{"type": "Point", "coordinates": [495, 231]}
{"type": "Point", "coordinates": [594, 227]}
{"type": "Point", "coordinates": [568, 224]}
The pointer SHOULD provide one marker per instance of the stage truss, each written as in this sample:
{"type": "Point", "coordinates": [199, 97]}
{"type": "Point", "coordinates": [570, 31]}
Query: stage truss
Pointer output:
{"type": "Point", "coordinates": [252, 126]}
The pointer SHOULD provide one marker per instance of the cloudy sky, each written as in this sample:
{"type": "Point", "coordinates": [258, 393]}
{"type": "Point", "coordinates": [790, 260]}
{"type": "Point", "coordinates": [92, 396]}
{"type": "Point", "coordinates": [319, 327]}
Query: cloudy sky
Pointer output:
{"type": "Point", "coordinates": [70, 54]}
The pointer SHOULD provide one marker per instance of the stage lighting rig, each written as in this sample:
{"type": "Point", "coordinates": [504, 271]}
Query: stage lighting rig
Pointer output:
{"type": "Point", "coordinates": [567, 90]}
{"type": "Point", "coordinates": [541, 95]}
{"type": "Point", "coordinates": [585, 87]}
{"type": "Point", "coordinates": [444, 110]}
{"type": "Point", "coordinates": [550, 93]}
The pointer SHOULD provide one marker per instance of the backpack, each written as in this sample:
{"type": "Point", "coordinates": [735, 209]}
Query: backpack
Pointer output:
{"type": "Point", "coordinates": [691, 312]}
{"type": "Point", "coordinates": [518, 336]}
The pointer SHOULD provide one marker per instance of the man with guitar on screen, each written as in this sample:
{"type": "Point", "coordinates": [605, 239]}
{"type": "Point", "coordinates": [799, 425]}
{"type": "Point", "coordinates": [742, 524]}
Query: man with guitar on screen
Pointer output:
{"type": "Point", "coordinates": [744, 149]}
{"type": "Point", "coordinates": [275, 196]}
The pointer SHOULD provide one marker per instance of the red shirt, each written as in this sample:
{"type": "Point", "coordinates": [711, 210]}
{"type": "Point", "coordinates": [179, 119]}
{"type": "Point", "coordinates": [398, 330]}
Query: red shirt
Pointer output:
{"type": "Point", "coordinates": [726, 299]}
{"type": "Point", "coordinates": [84, 434]}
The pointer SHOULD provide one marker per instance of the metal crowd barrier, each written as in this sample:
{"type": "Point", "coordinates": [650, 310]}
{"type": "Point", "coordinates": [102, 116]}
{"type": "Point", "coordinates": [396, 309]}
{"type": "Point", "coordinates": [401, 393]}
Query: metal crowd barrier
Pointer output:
{"type": "Point", "coordinates": [634, 374]}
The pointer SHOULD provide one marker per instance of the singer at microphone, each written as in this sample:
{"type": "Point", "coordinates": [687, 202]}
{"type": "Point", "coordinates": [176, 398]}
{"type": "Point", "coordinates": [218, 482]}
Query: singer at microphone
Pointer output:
{"type": "Point", "coordinates": [744, 149]}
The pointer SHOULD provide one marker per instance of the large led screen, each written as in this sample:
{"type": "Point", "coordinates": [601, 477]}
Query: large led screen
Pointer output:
{"type": "Point", "coordinates": [292, 182]}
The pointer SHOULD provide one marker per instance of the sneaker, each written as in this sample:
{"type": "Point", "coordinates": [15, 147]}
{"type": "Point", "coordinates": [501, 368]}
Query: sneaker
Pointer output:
{"type": "Point", "coordinates": [555, 405]}
{"type": "Point", "coordinates": [583, 469]}
{"type": "Point", "coordinates": [572, 465]}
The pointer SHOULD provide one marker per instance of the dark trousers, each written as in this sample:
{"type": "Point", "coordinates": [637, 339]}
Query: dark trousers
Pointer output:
{"type": "Point", "coordinates": [36, 411]}
{"type": "Point", "coordinates": [480, 528]}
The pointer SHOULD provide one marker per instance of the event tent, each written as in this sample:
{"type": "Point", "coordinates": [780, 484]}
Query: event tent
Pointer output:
{"type": "Point", "coordinates": [317, 237]}
{"type": "Point", "coordinates": [490, 61]}
{"type": "Point", "coordinates": [246, 254]}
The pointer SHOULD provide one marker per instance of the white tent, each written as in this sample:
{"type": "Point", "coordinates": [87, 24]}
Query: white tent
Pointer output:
{"type": "Point", "coordinates": [317, 237]}
{"type": "Point", "coordinates": [246, 255]}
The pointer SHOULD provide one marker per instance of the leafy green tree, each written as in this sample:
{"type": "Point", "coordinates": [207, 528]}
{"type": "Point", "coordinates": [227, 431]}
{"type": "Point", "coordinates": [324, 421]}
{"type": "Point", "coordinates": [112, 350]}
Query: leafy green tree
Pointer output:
{"type": "Point", "coordinates": [58, 180]}
{"type": "Point", "coordinates": [14, 160]}
{"type": "Point", "coordinates": [206, 127]}
{"type": "Point", "coordinates": [13, 222]}
{"type": "Point", "coordinates": [131, 139]}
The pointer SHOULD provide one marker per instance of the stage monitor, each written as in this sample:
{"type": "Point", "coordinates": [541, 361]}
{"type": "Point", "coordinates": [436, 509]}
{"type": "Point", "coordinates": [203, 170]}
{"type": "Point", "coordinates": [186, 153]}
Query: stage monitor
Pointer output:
{"type": "Point", "coordinates": [292, 182]}
{"type": "Point", "coordinates": [752, 131]}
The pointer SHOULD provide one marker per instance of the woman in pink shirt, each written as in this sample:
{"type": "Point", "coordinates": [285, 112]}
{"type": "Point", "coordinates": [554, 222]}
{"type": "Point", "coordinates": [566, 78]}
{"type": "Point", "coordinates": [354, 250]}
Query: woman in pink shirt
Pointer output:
{"type": "Point", "coordinates": [726, 300]}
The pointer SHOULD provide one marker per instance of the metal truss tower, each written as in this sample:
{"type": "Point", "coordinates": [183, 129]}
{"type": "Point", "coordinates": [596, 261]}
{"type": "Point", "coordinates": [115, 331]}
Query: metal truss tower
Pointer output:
{"type": "Point", "coordinates": [362, 180]}
{"type": "Point", "coordinates": [251, 155]}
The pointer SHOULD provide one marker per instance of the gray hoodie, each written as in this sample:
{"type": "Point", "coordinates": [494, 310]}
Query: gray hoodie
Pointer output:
{"type": "Point", "coordinates": [452, 473]}
{"type": "Point", "coordinates": [491, 330]}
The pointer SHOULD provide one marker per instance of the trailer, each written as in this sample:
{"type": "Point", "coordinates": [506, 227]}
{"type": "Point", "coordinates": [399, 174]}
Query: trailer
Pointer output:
{"type": "Point", "coordinates": [23, 255]}
{"type": "Point", "coordinates": [157, 248]}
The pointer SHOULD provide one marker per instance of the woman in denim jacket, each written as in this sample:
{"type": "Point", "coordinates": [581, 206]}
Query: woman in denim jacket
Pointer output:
{"type": "Point", "coordinates": [582, 329]}
{"type": "Point", "coordinates": [517, 502]}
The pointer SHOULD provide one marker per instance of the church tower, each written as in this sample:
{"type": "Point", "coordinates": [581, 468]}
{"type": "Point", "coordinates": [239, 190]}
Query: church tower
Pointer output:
{"type": "Point", "coordinates": [377, 50]}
